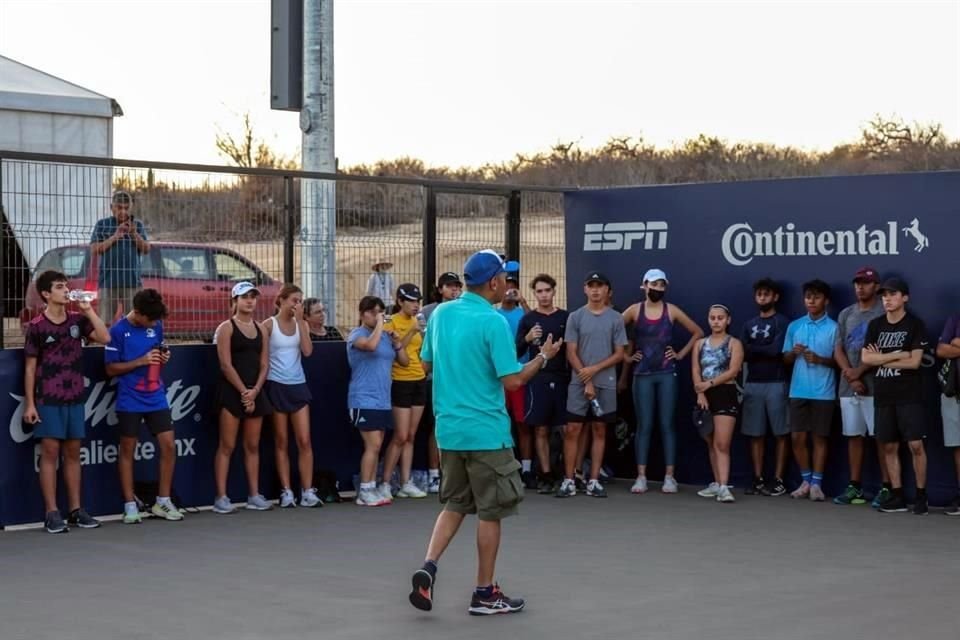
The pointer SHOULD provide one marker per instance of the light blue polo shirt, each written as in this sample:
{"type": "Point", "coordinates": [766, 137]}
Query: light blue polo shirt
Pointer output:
{"type": "Point", "coordinates": [470, 347]}
{"type": "Point", "coordinates": [813, 381]}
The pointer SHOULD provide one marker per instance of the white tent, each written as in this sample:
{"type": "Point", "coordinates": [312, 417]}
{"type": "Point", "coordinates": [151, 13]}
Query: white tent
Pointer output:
{"type": "Point", "coordinates": [47, 205]}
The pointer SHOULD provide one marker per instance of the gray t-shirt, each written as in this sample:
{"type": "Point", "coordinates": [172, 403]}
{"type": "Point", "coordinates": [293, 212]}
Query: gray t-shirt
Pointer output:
{"type": "Point", "coordinates": [596, 337]}
{"type": "Point", "coordinates": [427, 310]}
{"type": "Point", "coordinates": [851, 332]}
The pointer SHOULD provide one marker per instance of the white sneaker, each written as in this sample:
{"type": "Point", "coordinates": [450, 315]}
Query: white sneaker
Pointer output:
{"type": "Point", "coordinates": [287, 499]}
{"type": "Point", "coordinates": [410, 490]}
{"type": "Point", "coordinates": [386, 492]}
{"type": "Point", "coordinates": [223, 505]}
{"type": "Point", "coordinates": [803, 491]}
{"type": "Point", "coordinates": [309, 498]}
{"type": "Point", "coordinates": [724, 495]}
{"type": "Point", "coordinates": [712, 490]}
{"type": "Point", "coordinates": [370, 498]}
{"type": "Point", "coordinates": [816, 493]}
{"type": "Point", "coordinates": [258, 503]}
{"type": "Point", "coordinates": [434, 486]}
{"type": "Point", "coordinates": [669, 485]}
{"type": "Point", "coordinates": [640, 486]}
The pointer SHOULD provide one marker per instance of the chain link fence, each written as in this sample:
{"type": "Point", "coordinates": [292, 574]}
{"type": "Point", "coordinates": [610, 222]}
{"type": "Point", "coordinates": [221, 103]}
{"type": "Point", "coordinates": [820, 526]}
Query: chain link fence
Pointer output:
{"type": "Point", "coordinates": [210, 227]}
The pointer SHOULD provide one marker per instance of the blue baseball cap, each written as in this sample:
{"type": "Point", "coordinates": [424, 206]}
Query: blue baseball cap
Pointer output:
{"type": "Point", "coordinates": [485, 265]}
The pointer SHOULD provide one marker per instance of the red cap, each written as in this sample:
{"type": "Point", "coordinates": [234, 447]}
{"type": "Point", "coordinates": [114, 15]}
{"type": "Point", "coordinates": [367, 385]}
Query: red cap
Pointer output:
{"type": "Point", "coordinates": [866, 274]}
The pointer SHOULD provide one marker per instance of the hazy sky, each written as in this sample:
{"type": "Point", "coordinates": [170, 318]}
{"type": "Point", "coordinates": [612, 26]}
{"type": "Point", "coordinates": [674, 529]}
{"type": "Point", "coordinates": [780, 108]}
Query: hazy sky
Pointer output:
{"type": "Point", "coordinates": [468, 82]}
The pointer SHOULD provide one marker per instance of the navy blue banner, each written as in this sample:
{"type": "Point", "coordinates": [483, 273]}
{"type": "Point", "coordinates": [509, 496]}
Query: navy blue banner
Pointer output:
{"type": "Point", "coordinates": [715, 240]}
{"type": "Point", "coordinates": [190, 377]}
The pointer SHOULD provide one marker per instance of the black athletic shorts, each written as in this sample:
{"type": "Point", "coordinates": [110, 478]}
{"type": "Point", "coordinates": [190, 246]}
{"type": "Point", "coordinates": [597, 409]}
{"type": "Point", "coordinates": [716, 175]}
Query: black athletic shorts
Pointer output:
{"type": "Point", "coordinates": [157, 421]}
{"type": "Point", "coordinates": [546, 402]}
{"type": "Point", "coordinates": [899, 423]}
{"type": "Point", "coordinates": [812, 416]}
{"type": "Point", "coordinates": [408, 393]}
{"type": "Point", "coordinates": [723, 400]}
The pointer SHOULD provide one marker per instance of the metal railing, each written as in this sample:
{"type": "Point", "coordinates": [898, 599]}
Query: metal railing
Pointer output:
{"type": "Point", "coordinates": [210, 226]}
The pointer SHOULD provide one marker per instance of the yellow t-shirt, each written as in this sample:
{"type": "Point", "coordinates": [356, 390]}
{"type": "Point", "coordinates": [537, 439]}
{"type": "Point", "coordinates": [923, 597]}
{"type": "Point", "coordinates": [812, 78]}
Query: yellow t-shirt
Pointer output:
{"type": "Point", "coordinates": [401, 324]}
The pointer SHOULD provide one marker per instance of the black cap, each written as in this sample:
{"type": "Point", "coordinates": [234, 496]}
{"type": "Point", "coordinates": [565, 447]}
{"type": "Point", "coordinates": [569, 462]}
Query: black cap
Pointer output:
{"type": "Point", "coordinates": [512, 277]}
{"type": "Point", "coordinates": [895, 284]}
{"type": "Point", "coordinates": [596, 276]}
{"type": "Point", "coordinates": [448, 278]}
{"type": "Point", "coordinates": [409, 291]}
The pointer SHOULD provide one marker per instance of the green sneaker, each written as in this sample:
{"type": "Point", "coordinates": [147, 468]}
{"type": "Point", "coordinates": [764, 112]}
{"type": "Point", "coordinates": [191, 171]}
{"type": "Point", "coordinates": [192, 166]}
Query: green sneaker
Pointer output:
{"type": "Point", "coordinates": [132, 518]}
{"type": "Point", "coordinates": [850, 495]}
{"type": "Point", "coordinates": [166, 512]}
{"type": "Point", "coordinates": [880, 498]}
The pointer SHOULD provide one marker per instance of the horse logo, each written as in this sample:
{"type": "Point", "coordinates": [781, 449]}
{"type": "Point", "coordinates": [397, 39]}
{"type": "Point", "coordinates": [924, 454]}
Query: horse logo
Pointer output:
{"type": "Point", "coordinates": [914, 230]}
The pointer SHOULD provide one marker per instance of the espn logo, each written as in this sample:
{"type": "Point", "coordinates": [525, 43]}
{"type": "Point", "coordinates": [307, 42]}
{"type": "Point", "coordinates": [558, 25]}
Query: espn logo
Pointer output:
{"type": "Point", "coordinates": [620, 236]}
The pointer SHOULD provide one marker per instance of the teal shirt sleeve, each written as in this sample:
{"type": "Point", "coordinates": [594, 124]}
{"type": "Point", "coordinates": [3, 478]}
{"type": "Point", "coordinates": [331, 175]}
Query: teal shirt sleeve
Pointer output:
{"type": "Point", "coordinates": [426, 351]}
{"type": "Point", "coordinates": [503, 350]}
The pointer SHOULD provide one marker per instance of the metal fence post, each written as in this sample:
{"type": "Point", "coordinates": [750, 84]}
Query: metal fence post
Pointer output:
{"type": "Point", "coordinates": [513, 226]}
{"type": "Point", "coordinates": [430, 243]}
{"type": "Point", "coordinates": [288, 229]}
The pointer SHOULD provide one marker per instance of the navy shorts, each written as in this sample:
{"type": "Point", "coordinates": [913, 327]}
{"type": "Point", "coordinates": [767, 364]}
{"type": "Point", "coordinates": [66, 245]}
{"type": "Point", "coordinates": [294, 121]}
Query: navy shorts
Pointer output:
{"type": "Point", "coordinates": [546, 402]}
{"type": "Point", "coordinates": [288, 398]}
{"type": "Point", "coordinates": [60, 422]}
{"type": "Point", "coordinates": [372, 419]}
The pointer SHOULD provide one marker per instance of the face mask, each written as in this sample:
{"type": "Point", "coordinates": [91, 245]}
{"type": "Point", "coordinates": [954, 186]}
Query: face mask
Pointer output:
{"type": "Point", "coordinates": [654, 295]}
{"type": "Point", "coordinates": [766, 307]}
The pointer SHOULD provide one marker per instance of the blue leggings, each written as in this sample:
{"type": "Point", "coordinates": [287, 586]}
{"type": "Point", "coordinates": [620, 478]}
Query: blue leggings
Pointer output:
{"type": "Point", "coordinates": [655, 391]}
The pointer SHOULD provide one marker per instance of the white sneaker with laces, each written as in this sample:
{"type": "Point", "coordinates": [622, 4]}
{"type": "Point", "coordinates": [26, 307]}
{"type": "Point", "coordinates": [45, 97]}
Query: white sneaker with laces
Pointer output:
{"type": "Point", "coordinates": [309, 498]}
{"type": "Point", "coordinates": [640, 486]}
{"type": "Point", "coordinates": [724, 495]}
{"type": "Point", "coordinates": [386, 492]}
{"type": "Point", "coordinates": [287, 499]}
{"type": "Point", "coordinates": [410, 490]}
{"type": "Point", "coordinates": [712, 490]}
{"type": "Point", "coordinates": [370, 498]}
{"type": "Point", "coordinates": [258, 503]}
{"type": "Point", "coordinates": [223, 505]}
{"type": "Point", "coordinates": [669, 485]}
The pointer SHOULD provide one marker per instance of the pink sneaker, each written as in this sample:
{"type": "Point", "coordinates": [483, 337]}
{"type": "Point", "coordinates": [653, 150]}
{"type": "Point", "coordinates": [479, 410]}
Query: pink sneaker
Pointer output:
{"type": "Point", "coordinates": [803, 491]}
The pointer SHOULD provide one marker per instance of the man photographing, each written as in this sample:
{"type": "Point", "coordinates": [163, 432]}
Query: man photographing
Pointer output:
{"type": "Point", "coordinates": [469, 349]}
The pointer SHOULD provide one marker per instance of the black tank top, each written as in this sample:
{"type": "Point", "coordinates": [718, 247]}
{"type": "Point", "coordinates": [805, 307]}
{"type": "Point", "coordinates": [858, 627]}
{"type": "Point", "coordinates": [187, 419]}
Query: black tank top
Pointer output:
{"type": "Point", "coordinates": [245, 354]}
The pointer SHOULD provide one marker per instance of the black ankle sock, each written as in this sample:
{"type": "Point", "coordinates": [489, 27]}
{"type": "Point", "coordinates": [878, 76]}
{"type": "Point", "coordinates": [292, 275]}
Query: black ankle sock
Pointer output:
{"type": "Point", "coordinates": [897, 493]}
{"type": "Point", "coordinates": [855, 484]}
{"type": "Point", "coordinates": [430, 567]}
{"type": "Point", "coordinates": [921, 492]}
{"type": "Point", "coordinates": [886, 485]}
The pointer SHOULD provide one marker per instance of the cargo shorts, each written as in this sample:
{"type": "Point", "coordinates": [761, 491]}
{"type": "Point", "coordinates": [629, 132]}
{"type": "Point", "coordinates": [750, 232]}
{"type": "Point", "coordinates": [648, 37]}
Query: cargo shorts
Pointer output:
{"type": "Point", "coordinates": [486, 483]}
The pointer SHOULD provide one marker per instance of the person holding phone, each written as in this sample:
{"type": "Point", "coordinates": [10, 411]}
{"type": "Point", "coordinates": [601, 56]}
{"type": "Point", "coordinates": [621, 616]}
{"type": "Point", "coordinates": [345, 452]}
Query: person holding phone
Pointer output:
{"type": "Point", "coordinates": [120, 241]}
{"type": "Point", "coordinates": [134, 356]}
{"type": "Point", "coordinates": [289, 337]}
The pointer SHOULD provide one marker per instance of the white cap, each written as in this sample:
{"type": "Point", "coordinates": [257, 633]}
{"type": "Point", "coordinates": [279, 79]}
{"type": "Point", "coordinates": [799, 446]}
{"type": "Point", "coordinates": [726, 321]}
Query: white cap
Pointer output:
{"type": "Point", "coordinates": [652, 275]}
{"type": "Point", "coordinates": [242, 288]}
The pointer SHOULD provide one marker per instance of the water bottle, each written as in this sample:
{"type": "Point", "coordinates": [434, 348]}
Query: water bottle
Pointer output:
{"type": "Point", "coordinates": [421, 321]}
{"type": "Point", "coordinates": [539, 339]}
{"type": "Point", "coordinates": [595, 406]}
{"type": "Point", "coordinates": [79, 295]}
{"type": "Point", "coordinates": [153, 371]}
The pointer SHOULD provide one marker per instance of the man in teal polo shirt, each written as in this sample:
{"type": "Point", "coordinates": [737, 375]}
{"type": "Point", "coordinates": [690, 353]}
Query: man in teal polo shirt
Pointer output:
{"type": "Point", "coordinates": [472, 355]}
{"type": "Point", "coordinates": [808, 348]}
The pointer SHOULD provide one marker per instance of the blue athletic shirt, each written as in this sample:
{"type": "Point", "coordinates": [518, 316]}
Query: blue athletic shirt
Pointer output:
{"type": "Point", "coordinates": [135, 394]}
{"type": "Point", "coordinates": [369, 372]}
{"type": "Point", "coordinates": [813, 381]}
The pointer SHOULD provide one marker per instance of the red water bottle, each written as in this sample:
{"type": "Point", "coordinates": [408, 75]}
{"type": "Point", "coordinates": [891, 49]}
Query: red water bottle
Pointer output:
{"type": "Point", "coordinates": [153, 371]}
